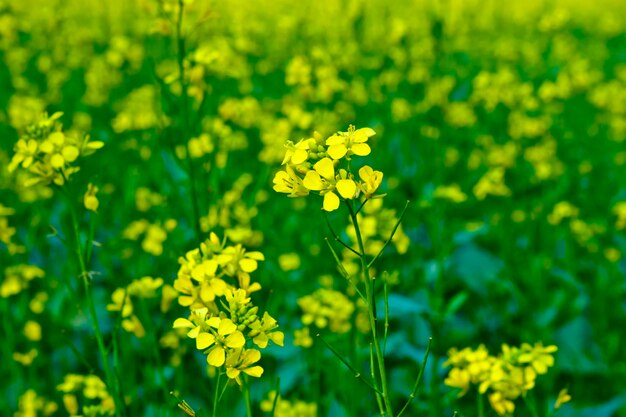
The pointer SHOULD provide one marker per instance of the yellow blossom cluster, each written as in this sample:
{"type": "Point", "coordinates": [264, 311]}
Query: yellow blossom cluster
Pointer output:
{"type": "Point", "coordinates": [7, 232]}
{"type": "Point", "coordinates": [143, 288]}
{"type": "Point", "coordinates": [154, 234]}
{"type": "Point", "coordinates": [505, 377]}
{"type": "Point", "coordinates": [47, 153]}
{"type": "Point", "coordinates": [286, 408]}
{"type": "Point", "coordinates": [32, 405]}
{"type": "Point", "coordinates": [327, 308]}
{"type": "Point", "coordinates": [86, 395]}
{"type": "Point", "coordinates": [314, 164]}
{"type": "Point", "coordinates": [214, 282]}
{"type": "Point", "coordinates": [17, 278]}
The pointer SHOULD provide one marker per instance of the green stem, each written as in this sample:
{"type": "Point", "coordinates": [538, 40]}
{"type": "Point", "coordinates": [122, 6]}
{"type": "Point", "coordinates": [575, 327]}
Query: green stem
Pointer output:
{"type": "Point", "coordinates": [112, 382]}
{"type": "Point", "coordinates": [246, 394]}
{"type": "Point", "coordinates": [371, 301]}
{"type": "Point", "coordinates": [216, 395]}
{"type": "Point", "coordinates": [180, 44]}
{"type": "Point", "coordinates": [481, 405]}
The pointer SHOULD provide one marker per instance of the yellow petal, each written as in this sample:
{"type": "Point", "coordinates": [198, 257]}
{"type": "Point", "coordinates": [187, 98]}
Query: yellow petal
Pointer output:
{"type": "Point", "coordinates": [252, 355]}
{"type": "Point", "coordinates": [216, 357]}
{"type": "Point", "coordinates": [366, 172]}
{"type": "Point", "coordinates": [204, 340]}
{"type": "Point", "coordinates": [255, 371]}
{"type": "Point", "coordinates": [226, 327]}
{"type": "Point", "coordinates": [335, 140]}
{"type": "Point", "coordinates": [325, 168]}
{"type": "Point", "coordinates": [70, 153]}
{"type": "Point", "coordinates": [337, 151]}
{"type": "Point", "coordinates": [360, 149]}
{"type": "Point", "coordinates": [235, 340]}
{"type": "Point", "coordinates": [331, 201]}
{"type": "Point", "coordinates": [95, 145]}
{"type": "Point", "coordinates": [299, 156]}
{"type": "Point", "coordinates": [346, 188]}
{"type": "Point", "coordinates": [312, 181]}
{"type": "Point", "coordinates": [182, 323]}
{"type": "Point", "coordinates": [361, 135]}
{"type": "Point", "coordinates": [57, 161]}
{"type": "Point", "coordinates": [232, 372]}
{"type": "Point", "coordinates": [248, 265]}
{"type": "Point", "coordinates": [255, 255]}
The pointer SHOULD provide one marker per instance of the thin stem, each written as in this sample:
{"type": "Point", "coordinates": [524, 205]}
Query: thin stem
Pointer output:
{"type": "Point", "coordinates": [379, 400]}
{"type": "Point", "coordinates": [216, 395]}
{"type": "Point", "coordinates": [419, 378]}
{"type": "Point", "coordinates": [480, 403]}
{"type": "Point", "coordinates": [277, 391]}
{"type": "Point", "coordinates": [386, 300]}
{"type": "Point", "coordinates": [356, 373]}
{"type": "Point", "coordinates": [246, 394]}
{"type": "Point", "coordinates": [86, 278]}
{"type": "Point", "coordinates": [343, 271]}
{"type": "Point", "coordinates": [393, 232]}
{"type": "Point", "coordinates": [371, 300]}
{"type": "Point", "coordinates": [337, 239]}
{"type": "Point", "coordinates": [180, 44]}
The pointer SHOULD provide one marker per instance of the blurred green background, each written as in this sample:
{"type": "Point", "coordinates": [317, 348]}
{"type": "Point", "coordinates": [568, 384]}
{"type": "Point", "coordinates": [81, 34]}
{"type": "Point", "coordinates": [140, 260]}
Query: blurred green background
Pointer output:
{"type": "Point", "coordinates": [504, 124]}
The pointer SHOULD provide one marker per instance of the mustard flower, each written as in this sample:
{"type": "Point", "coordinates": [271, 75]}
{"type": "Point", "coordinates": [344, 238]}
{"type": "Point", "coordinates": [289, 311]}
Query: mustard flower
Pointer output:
{"type": "Point", "coordinates": [501, 404]}
{"type": "Point", "coordinates": [289, 182]}
{"type": "Point", "coordinates": [370, 180]}
{"type": "Point", "coordinates": [349, 143]}
{"type": "Point", "coordinates": [262, 332]}
{"type": "Point", "coordinates": [538, 357]}
{"type": "Point", "coordinates": [90, 200]}
{"type": "Point", "coordinates": [197, 322]}
{"type": "Point", "coordinates": [322, 179]}
{"type": "Point", "coordinates": [296, 154]}
{"type": "Point", "coordinates": [562, 398]}
{"type": "Point", "coordinates": [221, 335]}
{"type": "Point", "coordinates": [243, 360]}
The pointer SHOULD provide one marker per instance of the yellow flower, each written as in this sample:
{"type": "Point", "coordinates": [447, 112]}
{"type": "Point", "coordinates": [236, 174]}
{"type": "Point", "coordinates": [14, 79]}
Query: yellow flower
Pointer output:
{"type": "Point", "coordinates": [296, 154]}
{"type": "Point", "coordinates": [289, 182]}
{"type": "Point", "coordinates": [501, 404]}
{"type": "Point", "coordinates": [322, 179]}
{"type": "Point", "coordinates": [371, 180]}
{"type": "Point", "coordinates": [32, 331]}
{"type": "Point", "coordinates": [349, 143]}
{"type": "Point", "coordinates": [262, 332]}
{"type": "Point", "coordinates": [216, 341]}
{"type": "Point", "coordinates": [562, 398]}
{"type": "Point", "coordinates": [197, 322]}
{"type": "Point", "coordinates": [90, 200]}
{"type": "Point", "coordinates": [538, 357]}
{"type": "Point", "coordinates": [458, 378]}
{"type": "Point", "coordinates": [241, 360]}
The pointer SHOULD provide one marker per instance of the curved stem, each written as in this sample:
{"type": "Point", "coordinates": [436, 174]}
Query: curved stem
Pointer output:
{"type": "Point", "coordinates": [371, 301]}
{"type": "Point", "coordinates": [111, 379]}
{"type": "Point", "coordinates": [180, 45]}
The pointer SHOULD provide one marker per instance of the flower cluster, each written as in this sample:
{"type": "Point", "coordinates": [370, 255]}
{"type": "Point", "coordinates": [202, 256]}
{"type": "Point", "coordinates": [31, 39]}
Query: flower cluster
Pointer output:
{"type": "Point", "coordinates": [86, 395]}
{"type": "Point", "coordinates": [7, 232]}
{"type": "Point", "coordinates": [506, 377]}
{"type": "Point", "coordinates": [48, 154]}
{"type": "Point", "coordinates": [17, 278]}
{"type": "Point", "coordinates": [286, 408]}
{"type": "Point", "coordinates": [214, 282]}
{"type": "Point", "coordinates": [154, 234]}
{"type": "Point", "coordinates": [143, 288]}
{"type": "Point", "coordinates": [32, 405]}
{"type": "Point", "coordinates": [327, 308]}
{"type": "Point", "coordinates": [314, 164]}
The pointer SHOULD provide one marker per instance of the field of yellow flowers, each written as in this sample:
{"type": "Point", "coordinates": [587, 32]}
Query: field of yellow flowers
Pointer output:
{"type": "Point", "coordinates": [317, 208]}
